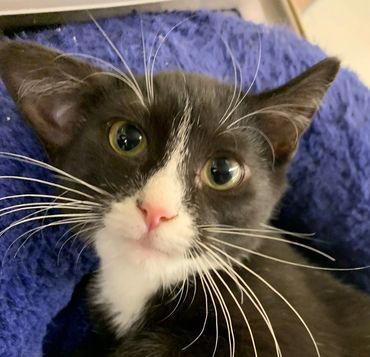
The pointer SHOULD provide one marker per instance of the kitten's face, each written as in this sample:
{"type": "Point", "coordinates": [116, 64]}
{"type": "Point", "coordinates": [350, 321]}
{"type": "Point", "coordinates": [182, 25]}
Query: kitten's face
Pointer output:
{"type": "Point", "coordinates": [183, 169]}
{"type": "Point", "coordinates": [170, 166]}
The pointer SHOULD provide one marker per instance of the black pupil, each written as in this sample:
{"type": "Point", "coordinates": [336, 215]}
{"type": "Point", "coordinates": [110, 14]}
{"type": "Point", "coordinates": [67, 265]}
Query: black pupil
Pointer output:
{"type": "Point", "coordinates": [221, 171]}
{"type": "Point", "coordinates": [128, 137]}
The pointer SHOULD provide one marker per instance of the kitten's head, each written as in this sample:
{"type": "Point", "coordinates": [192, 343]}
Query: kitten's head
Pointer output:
{"type": "Point", "coordinates": [193, 156]}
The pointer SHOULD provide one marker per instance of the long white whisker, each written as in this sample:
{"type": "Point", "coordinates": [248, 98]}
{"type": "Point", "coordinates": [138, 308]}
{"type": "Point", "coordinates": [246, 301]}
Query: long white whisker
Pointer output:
{"type": "Point", "coordinates": [48, 205]}
{"type": "Point", "coordinates": [89, 242]}
{"type": "Point", "coordinates": [83, 224]}
{"type": "Point", "coordinates": [32, 179]}
{"type": "Point", "coordinates": [289, 233]}
{"type": "Point", "coordinates": [117, 76]}
{"type": "Point", "coordinates": [74, 236]}
{"type": "Point", "coordinates": [276, 239]}
{"type": "Point", "coordinates": [287, 261]}
{"type": "Point", "coordinates": [121, 75]}
{"type": "Point", "coordinates": [252, 83]}
{"type": "Point", "coordinates": [160, 45]}
{"type": "Point", "coordinates": [268, 229]}
{"type": "Point", "coordinates": [216, 314]}
{"type": "Point", "coordinates": [206, 306]}
{"type": "Point", "coordinates": [23, 221]}
{"type": "Point", "coordinates": [238, 280]}
{"type": "Point", "coordinates": [36, 231]}
{"type": "Point", "coordinates": [223, 306]}
{"type": "Point", "coordinates": [235, 68]}
{"type": "Point", "coordinates": [235, 300]}
{"type": "Point", "coordinates": [33, 231]}
{"type": "Point", "coordinates": [52, 168]}
{"type": "Point", "coordinates": [226, 313]}
{"type": "Point", "coordinates": [119, 54]}
{"type": "Point", "coordinates": [86, 203]}
{"type": "Point", "coordinates": [145, 60]}
{"type": "Point", "coordinates": [151, 95]}
{"type": "Point", "coordinates": [260, 132]}
{"type": "Point", "coordinates": [282, 297]}
{"type": "Point", "coordinates": [272, 110]}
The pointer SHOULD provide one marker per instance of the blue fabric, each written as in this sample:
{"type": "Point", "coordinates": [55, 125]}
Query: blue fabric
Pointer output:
{"type": "Point", "coordinates": [330, 188]}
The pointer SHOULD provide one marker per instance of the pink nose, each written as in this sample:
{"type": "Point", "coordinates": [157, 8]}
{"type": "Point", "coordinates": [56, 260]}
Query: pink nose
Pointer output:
{"type": "Point", "coordinates": [154, 216]}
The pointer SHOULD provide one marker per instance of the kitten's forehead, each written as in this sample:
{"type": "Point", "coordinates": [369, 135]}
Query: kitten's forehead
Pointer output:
{"type": "Point", "coordinates": [208, 98]}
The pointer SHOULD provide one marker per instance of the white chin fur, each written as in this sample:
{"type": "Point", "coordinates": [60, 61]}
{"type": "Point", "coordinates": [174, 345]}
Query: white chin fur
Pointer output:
{"type": "Point", "coordinates": [130, 274]}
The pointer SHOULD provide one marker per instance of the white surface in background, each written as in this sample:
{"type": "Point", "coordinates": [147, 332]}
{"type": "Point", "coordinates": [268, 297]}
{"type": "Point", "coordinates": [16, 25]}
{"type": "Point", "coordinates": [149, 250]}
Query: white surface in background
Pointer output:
{"type": "Point", "coordinates": [342, 28]}
{"type": "Point", "coordinates": [13, 7]}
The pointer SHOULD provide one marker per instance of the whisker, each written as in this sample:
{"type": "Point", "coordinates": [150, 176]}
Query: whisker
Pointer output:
{"type": "Point", "coordinates": [235, 300]}
{"type": "Point", "coordinates": [236, 69]}
{"type": "Point", "coordinates": [121, 75]}
{"type": "Point", "coordinates": [46, 205]}
{"type": "Point", "coordinates": [225, 311]}
{"type": "Point", "coordinates": [222, 304]}
{"type": "Point", "coordinates": [86, 203]}
{"type": "Point", "coordinates": [88, 243]}
{"type": "Point", "coordinates": [74, 236]}
{"type": "Point", "coordinates": [268, 229]}
{"type": "Point", "coordinates": [32, 179]}
{"type": "Point", "coordinates": [52, 168]}
{"type": "Point", "coordinates": [33, 231]}
{"type": "Point", "coordinates": [289, 233]}
{"type": "Point", "coordinates": [117, 76]}
{"type": "Point", "coordinates": [160, 45]}
{"type": "Point", "coordinates": [276, 239]}
{"type": "Point", "coordinates": [289, 262]}
{"type": "Point", "coordinates": [272, 110]}
{"type": "Point", "coordinates": [260, 278]}
{"type": "Point", "coordinates": [119, 54]}
{"type": "Point", "coordinates": [194, 279]}
{"type": "Point", "coordinates": [216, 314]}
{"type": "Point", "coordinates": [252, 83]}
{"type": "Point", "coordinates": [179, 300]}
{"type": "Point", "coordinates": [228, 269]}
{"type": "Point", "coordinates": [145, 60]}
{"type": "Point", "coordinates": [23, 221]}
{"type": "Point", "coordinates": [69, 231]}
{"type": "Point", "coordinates": [150, 58]}
{"type": "Point", "coordinates": [260, 132]}
{"type": "Point", "coordinates": [206, 306]}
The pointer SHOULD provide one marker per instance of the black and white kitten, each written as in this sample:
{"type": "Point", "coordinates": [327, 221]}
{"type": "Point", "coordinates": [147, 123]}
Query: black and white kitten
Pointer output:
{"type": "Point", "coordinates": [182, 173]}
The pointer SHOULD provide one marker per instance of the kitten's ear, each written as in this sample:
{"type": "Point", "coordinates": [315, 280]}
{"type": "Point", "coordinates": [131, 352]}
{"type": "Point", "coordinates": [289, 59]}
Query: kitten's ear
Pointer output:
{"type": "Point", "coordinates": [48, 88]}
{"type": "Point", "coordinates": [284, 113]}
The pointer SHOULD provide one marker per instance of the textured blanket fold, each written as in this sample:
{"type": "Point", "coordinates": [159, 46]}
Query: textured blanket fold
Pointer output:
{"type": "Point", "coordinates": [330, 177]}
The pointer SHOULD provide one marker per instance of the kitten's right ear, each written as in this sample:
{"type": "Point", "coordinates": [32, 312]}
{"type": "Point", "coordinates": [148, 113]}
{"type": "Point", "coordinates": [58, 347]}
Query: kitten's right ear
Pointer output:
{"type": "Point", "coordinates": [48, 87]}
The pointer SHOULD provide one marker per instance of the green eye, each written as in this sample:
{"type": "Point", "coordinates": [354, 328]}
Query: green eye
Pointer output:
{"type": "Point", "coordinates": [126, 139]}
{"type": "Point", "coordinates": [222, 173]}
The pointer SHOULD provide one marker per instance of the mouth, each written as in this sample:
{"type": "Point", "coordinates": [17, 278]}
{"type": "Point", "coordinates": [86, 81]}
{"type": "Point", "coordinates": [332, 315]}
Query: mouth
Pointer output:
{"type": "Point", "coordinates": [146, 244]}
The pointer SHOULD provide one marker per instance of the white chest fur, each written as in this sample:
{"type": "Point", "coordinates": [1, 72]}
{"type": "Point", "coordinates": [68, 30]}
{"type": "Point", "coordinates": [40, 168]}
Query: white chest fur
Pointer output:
{"type": "Point", "coordinates": [125, 289]}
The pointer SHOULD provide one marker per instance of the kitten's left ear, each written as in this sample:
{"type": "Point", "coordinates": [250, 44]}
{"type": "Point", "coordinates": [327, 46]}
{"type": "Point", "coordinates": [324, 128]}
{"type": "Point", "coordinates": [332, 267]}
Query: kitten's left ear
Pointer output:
{"type": "Point", "coordinates": [49, 88]}
{"type": "Point", "coordinates": [284, 113]}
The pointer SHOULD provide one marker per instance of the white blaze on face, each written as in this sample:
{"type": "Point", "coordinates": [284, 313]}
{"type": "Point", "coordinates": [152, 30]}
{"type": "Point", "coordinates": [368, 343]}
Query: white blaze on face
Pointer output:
{"type": "Point", "coordinates": [130, 272]}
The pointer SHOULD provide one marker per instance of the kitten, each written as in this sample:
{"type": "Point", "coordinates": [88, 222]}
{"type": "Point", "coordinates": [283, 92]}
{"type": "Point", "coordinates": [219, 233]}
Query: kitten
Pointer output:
{"type": "Point", "coordinates": [177, 177]}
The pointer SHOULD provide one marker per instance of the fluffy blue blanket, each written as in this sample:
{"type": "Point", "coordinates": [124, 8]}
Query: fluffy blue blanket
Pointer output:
{"type": "Point", "coordinates": [330, 178]}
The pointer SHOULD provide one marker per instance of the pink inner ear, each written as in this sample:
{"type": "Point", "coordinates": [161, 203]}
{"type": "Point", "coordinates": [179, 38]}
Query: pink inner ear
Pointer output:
{"type": "Point", "coordinates": [61, 116]}
{"type": "Point", "coordinates": [52, 120]}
